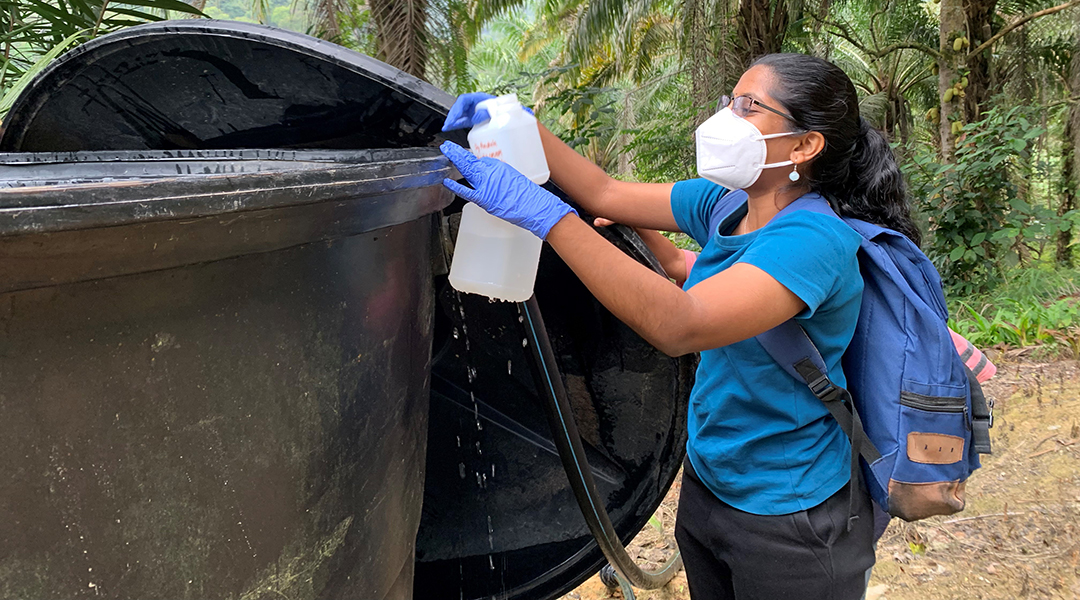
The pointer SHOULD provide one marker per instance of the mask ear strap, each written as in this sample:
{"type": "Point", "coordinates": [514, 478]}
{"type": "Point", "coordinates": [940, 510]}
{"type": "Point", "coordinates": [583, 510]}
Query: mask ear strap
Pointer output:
{"type": "Point", "coordinates": [776, 135]}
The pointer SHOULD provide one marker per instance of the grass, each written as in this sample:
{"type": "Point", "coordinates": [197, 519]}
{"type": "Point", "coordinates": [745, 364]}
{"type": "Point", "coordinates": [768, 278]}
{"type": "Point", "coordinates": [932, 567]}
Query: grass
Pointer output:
{"type": "Point", "coordinates": [1038, 306]}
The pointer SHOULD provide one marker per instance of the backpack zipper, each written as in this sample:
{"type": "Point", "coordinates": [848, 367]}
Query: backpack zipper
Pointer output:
{"type": "Point", "coordinates": [950, 404]}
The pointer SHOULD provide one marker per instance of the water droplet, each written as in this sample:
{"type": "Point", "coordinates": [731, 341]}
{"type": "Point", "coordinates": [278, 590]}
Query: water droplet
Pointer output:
{"type": "Point", "coordinates": [490, 528]}
{"type": "Point", "coordinates": [461, 470]}
{"type": "Point", "coordinates": [478, 480]}
{"type": "Point", "coordinates": [524, 342]}
{"type": "Point", "coordinates": [457, 334]}
{"type": "Point", "coordinates": [491, 542]}
{"type": "Point", "coordinates": [521, 319]}
{"type": "Point", "coordinates": [491, 301]}
{"type": "Point", "coordinates": [509, 368]}
{"type": "Point", "coordinates": [472, 373]}
{"type": "Point", "coordinates": [479, 425]}
{"type": "Point", "coordinates": [478, 450]}
{"type": "Point", "coordinates": [491, 561]}
{"type": "Point", "coordinates": [458, 440]}
{"type": "Point", "coordinates": [493, 470]}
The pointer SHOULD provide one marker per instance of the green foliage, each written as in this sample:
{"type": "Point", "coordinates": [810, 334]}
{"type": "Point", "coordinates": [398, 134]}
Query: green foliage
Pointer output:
{"type": "Point", "coordinates": [1033, 306]}
{"type": "Point", "coordinates": [663, 146]}
{"type": "Point", "coordinates": [980, 223]}
{"type": "Point", "coordinates": [586, 112]}
{"type": "Point", "coordinates": [37, 31]}
{"type": "Point", "coordinates": [502, 62]}
{"type": "Point", "coordinates": [285, 14]}
{"type": "Point", "coordinates": [682, 241]}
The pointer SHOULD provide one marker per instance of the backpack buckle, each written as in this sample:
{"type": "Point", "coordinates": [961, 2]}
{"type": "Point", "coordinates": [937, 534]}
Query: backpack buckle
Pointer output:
{"type": "Point", "coordinates": [824, 389]}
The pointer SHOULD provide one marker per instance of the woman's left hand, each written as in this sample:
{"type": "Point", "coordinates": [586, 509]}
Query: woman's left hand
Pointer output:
{"type": "Point", "coordinates": [502, 191]}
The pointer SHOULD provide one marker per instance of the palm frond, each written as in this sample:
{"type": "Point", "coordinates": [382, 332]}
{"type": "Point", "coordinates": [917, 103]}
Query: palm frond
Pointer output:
{"type": "Point", "coordinates": [401, 34]}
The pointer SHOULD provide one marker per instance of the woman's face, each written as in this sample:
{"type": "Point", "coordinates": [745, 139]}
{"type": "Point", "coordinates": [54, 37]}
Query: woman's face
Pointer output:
{"type": "Point", "coordinates": [756, 83]}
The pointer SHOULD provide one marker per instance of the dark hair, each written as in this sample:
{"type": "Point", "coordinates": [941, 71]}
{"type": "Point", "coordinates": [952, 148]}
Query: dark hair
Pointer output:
{"type": "Point", "coordinates": [856, 171]}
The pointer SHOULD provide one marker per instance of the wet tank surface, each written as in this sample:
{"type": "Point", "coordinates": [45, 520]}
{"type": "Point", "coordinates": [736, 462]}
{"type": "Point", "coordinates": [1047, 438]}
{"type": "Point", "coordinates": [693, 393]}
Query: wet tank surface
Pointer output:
{"type": "Point", "coordinates": [216, 385]}
{"type": "Point", "coordinates": [498, 519]}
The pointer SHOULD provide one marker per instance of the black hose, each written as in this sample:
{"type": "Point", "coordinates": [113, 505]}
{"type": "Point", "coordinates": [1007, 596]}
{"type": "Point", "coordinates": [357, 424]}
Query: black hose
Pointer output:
{"type": "Point", "coordinates": [572, 453]}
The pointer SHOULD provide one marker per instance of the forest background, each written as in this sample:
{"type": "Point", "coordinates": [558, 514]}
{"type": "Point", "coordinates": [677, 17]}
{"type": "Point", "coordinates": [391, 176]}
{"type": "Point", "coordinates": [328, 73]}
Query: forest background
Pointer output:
{"type": "Point", "coordinates": [980, 99]}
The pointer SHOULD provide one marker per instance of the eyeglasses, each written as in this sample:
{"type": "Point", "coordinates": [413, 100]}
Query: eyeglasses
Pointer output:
{"type": "Point", "coordinates": [741, 105]}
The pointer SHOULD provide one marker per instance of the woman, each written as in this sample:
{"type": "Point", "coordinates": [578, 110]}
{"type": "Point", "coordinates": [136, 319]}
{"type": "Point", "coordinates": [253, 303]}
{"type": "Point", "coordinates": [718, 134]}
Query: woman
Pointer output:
{"type": "Point", "coordinates": [764, 511]}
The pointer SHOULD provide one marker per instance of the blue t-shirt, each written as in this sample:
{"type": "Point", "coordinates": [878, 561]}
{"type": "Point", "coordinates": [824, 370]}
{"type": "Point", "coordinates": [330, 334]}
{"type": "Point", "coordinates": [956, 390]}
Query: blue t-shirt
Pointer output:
{"type": "Point", "coordinates": [759, 439]}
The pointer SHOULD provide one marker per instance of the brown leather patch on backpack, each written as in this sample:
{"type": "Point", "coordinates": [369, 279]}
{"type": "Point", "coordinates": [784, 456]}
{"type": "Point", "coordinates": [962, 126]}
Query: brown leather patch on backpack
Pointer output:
{"type": "Point", "coordinates": [914, 501]}
{"type": "Point", "coordinates": [934, 448]}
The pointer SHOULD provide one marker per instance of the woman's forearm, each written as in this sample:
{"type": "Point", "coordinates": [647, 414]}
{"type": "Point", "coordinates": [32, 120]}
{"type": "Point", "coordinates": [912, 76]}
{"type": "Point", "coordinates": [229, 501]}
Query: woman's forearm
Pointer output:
{"type": "Point", "coordinates": [637, 204]}
{"type": "Point", "coordinates": [643, 299]}
{"type": "Point", "coordinates": [666, 252]}
{"type": "Point", "coordinates": [733, 305]}
{"type": "Point", "coordinates": [585, 182]}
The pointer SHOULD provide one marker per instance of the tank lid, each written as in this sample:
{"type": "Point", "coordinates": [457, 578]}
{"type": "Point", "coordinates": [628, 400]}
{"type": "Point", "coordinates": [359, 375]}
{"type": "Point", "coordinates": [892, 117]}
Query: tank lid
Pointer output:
{"type": "Point", "coordinates": [199, 84]}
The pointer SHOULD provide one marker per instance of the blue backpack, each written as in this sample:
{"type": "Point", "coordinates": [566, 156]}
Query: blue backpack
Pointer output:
{"type": "Point", "coordinates": [919, 418]}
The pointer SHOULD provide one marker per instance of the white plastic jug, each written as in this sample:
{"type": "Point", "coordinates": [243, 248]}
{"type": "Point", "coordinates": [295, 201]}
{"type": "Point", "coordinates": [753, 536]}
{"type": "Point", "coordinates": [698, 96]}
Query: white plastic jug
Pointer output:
{"type": "Point", "coordinates": [493, 257]}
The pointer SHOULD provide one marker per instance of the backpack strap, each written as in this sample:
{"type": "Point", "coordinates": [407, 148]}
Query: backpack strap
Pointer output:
{"type": "Point", "coordinates": [793, 350]}
{"type": "Point", "coordinates": [982, 415]}
{"type": "Point", "coordinates": [796, 353]}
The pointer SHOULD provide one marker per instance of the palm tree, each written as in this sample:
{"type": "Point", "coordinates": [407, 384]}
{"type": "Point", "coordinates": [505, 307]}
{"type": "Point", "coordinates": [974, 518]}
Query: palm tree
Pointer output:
{"type": "Point", "coordinates": [1070, 156]}
{"type": "Point", "coordinates": [884, 47]}
{"type": "Point", "coordinates": [401, 36]}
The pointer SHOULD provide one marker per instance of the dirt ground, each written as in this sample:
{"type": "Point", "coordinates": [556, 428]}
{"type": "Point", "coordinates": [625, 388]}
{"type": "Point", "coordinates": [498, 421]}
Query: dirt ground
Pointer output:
{"type": "Point", "coordinates": [1019, 536]}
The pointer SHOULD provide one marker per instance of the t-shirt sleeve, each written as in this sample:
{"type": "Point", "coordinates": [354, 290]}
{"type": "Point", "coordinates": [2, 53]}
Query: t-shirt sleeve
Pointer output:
{"type": "Point", "coordinates": [810, 254]}
{"type": "Point", "coordinates": [692, 203]}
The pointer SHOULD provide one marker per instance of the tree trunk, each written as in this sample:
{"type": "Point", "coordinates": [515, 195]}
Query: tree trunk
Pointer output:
{"type": "Point", "coordinates": [823, 44]}
{"type": "Point", "coordinates": [762, 27]}
{"type": "Point", "coordinates": [1070, 161]}
{"type": "Point", "coordinates": [629, 122]}
{"type": "Point", "coordinates": [325, 19]}
{"type": "Point", "coordinates": [953, 24]}
{"type": "Point", "coordinates": [979, 16]}
{"type": "Point", "coordinates": [401, 34]}
{"type": "Point", "coordinates": [704, 79]}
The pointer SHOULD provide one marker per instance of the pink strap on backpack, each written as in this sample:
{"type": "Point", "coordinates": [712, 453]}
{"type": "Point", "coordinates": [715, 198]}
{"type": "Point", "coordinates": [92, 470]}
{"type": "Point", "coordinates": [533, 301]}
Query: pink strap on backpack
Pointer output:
{"type": "Point", "coordinates": [690, 258]}
{"type": "Point", "coordinates": [975, 360]}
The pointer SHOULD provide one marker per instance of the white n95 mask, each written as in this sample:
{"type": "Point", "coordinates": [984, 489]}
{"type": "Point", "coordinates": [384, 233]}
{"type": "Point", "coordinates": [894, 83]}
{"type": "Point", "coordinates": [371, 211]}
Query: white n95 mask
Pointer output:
{"type": "Point", "coordinates": [731, 151]}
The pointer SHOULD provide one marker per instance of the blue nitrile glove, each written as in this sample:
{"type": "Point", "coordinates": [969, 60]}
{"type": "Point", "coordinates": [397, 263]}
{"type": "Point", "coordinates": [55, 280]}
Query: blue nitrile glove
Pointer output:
{"type": "Point", "coordinates": [504, 192]}
{"type": "Point", "coordinates": [464, 114]}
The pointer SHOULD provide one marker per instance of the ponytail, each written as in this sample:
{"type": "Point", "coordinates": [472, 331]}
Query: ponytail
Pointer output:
{"type": "Point", "coordinates": [875, 191]}
{"type": "Point", "coordinates": [857, 170]}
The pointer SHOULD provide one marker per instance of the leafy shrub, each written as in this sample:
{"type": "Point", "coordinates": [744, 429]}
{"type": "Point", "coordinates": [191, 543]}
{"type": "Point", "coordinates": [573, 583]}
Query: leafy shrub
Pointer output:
{"type": "Point", "coordinates": [980, 223]}
{"type": "Point", "coordinates": [1032, 307]}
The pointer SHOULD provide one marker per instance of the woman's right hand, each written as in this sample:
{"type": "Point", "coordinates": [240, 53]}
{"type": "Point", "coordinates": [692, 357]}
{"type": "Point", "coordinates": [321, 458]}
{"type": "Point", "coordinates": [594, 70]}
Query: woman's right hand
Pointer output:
{"type": "Point", "coordinates": [463, 113]}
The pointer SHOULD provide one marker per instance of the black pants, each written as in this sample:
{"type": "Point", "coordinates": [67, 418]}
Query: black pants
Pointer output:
{"type": "Point", "coordinates": [731, 554]}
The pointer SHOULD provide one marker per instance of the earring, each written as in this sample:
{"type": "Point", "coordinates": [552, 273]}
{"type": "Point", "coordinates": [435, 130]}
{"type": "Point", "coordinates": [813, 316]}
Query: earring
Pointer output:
{"type": "Point", "coordinates": [794, 175]}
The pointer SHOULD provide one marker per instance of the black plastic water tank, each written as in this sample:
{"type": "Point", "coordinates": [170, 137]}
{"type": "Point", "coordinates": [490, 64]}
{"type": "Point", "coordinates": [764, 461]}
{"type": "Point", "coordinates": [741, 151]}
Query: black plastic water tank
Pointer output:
{"type": "Point", "coordinates": [498, 517]}
{"type": "Point", "coordinates": [215, 372]}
